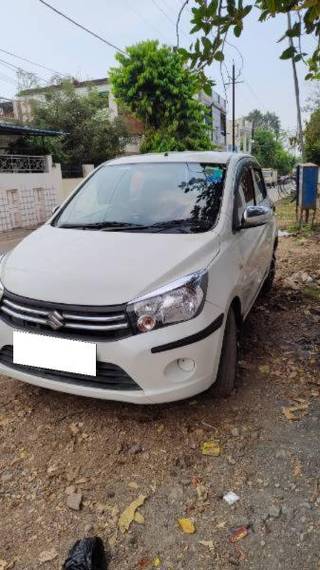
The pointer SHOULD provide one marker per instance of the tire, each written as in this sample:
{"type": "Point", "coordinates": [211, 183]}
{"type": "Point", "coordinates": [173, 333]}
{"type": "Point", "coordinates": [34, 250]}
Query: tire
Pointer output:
{"type": "Point", "coordinates": [226, 376]}
{"type": "Point", "coordinates": [268, 283]}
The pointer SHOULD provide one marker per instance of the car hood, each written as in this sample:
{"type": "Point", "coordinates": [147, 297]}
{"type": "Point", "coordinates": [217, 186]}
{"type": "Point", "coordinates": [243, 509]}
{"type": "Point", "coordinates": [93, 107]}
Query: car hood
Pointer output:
{"type": "Point", "coordinates": [102, 268]}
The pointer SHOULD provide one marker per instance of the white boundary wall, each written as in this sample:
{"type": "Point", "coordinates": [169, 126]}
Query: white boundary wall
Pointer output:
{"type": "Point", "coordinates": [28, 198]}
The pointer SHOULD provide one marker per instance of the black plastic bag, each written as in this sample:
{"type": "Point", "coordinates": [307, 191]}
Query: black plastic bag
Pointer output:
{"type": "Point", "coordinates": [87, 554]}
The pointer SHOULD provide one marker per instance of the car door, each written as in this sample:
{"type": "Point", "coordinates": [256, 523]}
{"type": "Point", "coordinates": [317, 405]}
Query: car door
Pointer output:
{"type": "Point", "coordinates": [250, 241]}
{"type": "Point", "coordinates": [267, 239]}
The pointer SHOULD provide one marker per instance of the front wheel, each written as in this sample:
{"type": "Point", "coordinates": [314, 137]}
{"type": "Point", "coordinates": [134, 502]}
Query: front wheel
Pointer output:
{"type": "Point", "coordinates": [268, 283]}
{"type": "Point", "coordinates": [226, 376]}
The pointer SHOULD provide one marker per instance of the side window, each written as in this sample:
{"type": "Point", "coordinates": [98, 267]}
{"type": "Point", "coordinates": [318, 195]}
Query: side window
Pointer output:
{"type": "Point", "coordinates": [244, 196]}
{"type": "Point", "coordinates": [246, 184]}
{"type": "Point", "coordinates": [259, 186]}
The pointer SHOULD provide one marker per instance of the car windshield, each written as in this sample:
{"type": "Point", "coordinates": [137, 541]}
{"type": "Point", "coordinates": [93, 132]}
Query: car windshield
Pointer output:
{"type": "Point", "coordinates": [172, 197]}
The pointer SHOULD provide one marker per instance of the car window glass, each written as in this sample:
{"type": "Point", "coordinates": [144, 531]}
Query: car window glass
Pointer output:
{"type": "Point", "coordinates": [259, 186]}
{"type": "Point", "coordinates": [148, 193]}
{"type": "Point", "coordinates": [239, 206]}
{"type": "Point", "coordinates": [246, 185]}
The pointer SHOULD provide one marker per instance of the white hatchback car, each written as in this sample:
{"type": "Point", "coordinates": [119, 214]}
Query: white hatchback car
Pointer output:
{"type": "Point", "coordinates": [137, 286]}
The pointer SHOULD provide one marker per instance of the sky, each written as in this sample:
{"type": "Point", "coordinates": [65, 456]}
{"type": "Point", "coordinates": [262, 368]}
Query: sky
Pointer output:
{"type": "Point", "coordinates": [44, 37]}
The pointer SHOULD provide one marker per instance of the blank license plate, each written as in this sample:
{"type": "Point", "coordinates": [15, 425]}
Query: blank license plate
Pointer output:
{"type": "Point", "coordinates": [55, 353]}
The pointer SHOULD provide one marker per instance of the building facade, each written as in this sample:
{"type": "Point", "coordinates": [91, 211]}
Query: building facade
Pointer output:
{"type": "Point", "coordinates": [243, 135]}
{"type": "Point", "coordinates": [217, 118]}
{"type": "Point", "coordinates": [24, 102]}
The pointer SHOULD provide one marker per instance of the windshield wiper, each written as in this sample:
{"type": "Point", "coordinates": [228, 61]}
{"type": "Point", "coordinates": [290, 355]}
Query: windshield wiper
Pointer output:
{"type": "Point", "coordinates": [184, 225]}
{"type": "Point", "coordinates": [101, 226]}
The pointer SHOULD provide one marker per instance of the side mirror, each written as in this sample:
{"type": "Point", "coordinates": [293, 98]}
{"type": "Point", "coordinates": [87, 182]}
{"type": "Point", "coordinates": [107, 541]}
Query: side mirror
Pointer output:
{"type": "Point", "coordinates": [53, 211]}
{"type": "Point", "coordinates": [254, 216]}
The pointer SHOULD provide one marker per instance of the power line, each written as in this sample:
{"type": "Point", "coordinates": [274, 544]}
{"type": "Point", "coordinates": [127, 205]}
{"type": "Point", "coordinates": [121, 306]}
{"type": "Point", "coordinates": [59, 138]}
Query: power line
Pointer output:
{"type": "Point", "coordinates": [135, 11]}
{"type": "Point", "coordinates": [13, 67]}
{"type": "Point", "coordinates": [252, 91]}
{"type": "Point", "coordinates": [82, 27]}
{"type": "Point", "coordinates": [161, 10]}
{"type": "Point", "coordinates": [168, 7]}
{"type": "Point", "coordinates": [30, 61]}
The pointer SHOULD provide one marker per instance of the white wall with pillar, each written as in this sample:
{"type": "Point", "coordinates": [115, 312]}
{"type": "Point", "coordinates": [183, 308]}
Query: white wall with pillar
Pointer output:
{"type": "Point", "coordinates": [29, 190]}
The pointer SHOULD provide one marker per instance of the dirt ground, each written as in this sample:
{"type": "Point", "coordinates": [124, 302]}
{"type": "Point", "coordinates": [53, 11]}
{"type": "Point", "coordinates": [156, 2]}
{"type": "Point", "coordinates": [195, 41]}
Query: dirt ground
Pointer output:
{"type": "Point", "coordinates": [58, 450]}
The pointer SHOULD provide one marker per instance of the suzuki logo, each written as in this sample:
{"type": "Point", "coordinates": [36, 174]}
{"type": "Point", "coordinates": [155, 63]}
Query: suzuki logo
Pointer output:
{"type": "Point", "coordinates": [55, 320]}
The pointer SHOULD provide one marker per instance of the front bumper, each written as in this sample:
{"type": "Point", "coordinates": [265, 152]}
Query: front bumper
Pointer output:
{"type": "Point", "coordinates": [156, 373]}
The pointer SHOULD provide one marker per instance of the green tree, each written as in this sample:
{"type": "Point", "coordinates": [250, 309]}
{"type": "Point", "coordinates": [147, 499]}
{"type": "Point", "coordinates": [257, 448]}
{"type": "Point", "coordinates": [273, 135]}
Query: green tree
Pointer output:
{"type": "Point", "coordinates": [268, 120]}
{"type": "Point", "coordinates": [214, 19]}
{"type": "Point", "coordinates": [312, 138]}
{"type": "Point", "coordinates": [153, 83]}
{"type": "Point", "coordinates": [91, 135]}
{"type": "Point", "coordinates": [270, 152]}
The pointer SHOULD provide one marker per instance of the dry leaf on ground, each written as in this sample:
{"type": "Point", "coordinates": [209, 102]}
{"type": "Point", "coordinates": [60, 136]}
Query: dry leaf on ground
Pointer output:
{"type": "Point", "coordinates": [202, 493]}
{"type": "Point", "coordinates": [138, 518]}
{"type": "Point", "coordinates": [211, 448]}
{"type": "Point", "coordinates": [128, 515]}
{"type": "Point", "coordinates": [295, 412]}
{"type": "Point", "coordinates": [238, 534]}
{"type": "Point", "coordinates": [208, 543]}
{"type": "Point", "coordinates": [187, 526]}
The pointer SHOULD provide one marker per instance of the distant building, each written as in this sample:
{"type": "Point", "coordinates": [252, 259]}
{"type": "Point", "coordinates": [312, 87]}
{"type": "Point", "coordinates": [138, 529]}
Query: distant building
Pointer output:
{"type": "Point", "coordinates": [23, 106]}
{"type": "Point", "coordinates": [243, 135]}
{"type": "Point", "coordinates": [6, 109]}
{"type": "Point", "coordinates": [217, 120]}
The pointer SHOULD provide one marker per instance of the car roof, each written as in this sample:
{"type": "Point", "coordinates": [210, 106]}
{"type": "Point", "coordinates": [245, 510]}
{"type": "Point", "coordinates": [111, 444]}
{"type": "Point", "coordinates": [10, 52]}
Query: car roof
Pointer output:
{"type": "Point", "coordinates": [214, 157]}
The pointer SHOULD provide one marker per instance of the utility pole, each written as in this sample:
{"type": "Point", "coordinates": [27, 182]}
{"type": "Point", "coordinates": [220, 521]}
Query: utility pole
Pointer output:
{"type": "Point", "coordinates": [234, 82]}
{"type": "Point", "coordinates": [297, 92]}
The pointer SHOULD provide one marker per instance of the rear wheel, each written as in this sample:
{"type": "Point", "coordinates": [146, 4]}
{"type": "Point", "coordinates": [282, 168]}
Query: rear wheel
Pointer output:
{"type": "Point", "coordinates": [226, 377]}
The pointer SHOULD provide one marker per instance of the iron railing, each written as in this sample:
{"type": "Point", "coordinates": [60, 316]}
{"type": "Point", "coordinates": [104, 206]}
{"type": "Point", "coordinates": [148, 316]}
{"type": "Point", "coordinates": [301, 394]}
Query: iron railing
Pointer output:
{"type": "Point", "coordinates": [21, 163]}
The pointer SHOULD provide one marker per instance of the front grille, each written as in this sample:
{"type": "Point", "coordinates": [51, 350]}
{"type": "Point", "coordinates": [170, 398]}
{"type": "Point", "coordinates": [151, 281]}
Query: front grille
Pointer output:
{"type": "Point", "coordinates": [109, 376]}
{"type": "Point", "coordinates": [105, 323]}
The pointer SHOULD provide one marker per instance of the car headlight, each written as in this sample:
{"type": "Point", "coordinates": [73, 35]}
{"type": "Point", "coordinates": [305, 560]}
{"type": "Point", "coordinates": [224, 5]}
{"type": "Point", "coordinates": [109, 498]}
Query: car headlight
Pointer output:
{"type": "Point", "coordinates": [179, 301]}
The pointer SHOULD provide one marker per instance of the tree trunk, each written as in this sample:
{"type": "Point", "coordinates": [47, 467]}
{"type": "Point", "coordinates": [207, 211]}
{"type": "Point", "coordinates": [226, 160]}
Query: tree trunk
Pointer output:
{"type": "Point", "coordinates": [297, 92]}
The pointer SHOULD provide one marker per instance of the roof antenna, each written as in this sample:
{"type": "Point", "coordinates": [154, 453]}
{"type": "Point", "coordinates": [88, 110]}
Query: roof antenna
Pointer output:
{"type": "Point", "coordinates": [166, 153]}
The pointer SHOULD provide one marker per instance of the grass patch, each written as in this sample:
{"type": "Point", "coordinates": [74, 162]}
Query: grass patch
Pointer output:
{"type": "Point", "coordinates": [313, 292]}
{"type": "Point", "coordinates": [286, 217]}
